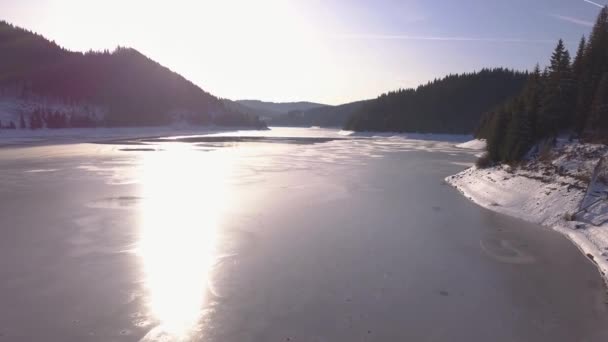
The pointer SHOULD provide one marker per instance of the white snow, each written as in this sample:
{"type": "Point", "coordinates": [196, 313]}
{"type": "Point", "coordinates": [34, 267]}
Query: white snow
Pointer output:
{"type": "Point", "coordinates": [550, 189]}
{"type": "Point", "coordinates": [475, 144]}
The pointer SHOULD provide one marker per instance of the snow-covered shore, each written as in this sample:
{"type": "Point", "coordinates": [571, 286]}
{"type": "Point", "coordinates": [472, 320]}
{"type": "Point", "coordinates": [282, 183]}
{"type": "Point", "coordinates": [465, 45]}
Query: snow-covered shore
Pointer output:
{"type": "Point", "coordinates": [564, 187]}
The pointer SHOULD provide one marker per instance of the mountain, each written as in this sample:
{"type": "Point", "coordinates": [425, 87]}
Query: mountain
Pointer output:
{"type": "Point", "coordinates": [453, 104]}
{"type": "Point", "coordinates": [44, 85]}
{"type": "Point", "coordinates": [273, 110]}
{"type": "Point", "coordinates": [327, 116]}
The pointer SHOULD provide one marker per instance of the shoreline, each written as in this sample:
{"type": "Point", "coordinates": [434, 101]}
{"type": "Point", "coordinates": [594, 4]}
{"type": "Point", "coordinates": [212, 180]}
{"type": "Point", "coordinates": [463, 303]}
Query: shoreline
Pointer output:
{"type": "Point", "coordinates": [523, 193]}
{"type": "Point", "coordinates": [26, 137]}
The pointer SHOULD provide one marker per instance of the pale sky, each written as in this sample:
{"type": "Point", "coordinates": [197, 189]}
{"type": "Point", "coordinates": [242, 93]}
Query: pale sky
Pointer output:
{"type": "Point", "coordinates": [311, 50]}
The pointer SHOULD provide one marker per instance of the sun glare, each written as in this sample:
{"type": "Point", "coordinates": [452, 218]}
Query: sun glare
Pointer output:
{"type": "Point", "coordinates": [184, 193]}
{"type": "Point", "coordinates": [230, 46]}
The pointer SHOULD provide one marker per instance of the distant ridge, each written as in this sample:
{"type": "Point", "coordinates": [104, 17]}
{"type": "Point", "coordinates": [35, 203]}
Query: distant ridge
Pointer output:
{"type": "Point", "coordinates": [327, 116]}
{"type": "Point", "coordinates": [282, 107]}
{"type": "Point", "coordinates": [453, 104]}
{"type": "Point", "coordinates": [273, 110]}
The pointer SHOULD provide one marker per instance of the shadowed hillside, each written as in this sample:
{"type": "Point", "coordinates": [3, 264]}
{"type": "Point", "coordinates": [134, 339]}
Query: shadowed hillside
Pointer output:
{"type": "Point", "coordinates": [119, 88]}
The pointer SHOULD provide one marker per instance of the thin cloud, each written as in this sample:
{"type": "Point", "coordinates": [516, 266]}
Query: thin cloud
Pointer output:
{"type": "Point", "coordinates": [594, 3]}
{"type": "Point", "coordinates": [437, 38]}
{"type": "Point", "coordinates": [573, 20]}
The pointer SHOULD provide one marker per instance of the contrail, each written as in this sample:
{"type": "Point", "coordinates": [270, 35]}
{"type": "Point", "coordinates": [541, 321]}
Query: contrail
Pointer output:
{"type": "Point", "coordinates": [438, 38]}
{"type": "Point", "coordinates": [594, 3]}
{"type": "Point", "coordinates": [572, 20]}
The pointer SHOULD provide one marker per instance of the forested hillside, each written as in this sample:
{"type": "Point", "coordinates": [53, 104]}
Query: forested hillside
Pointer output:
{"type": "Point", "coordinates": [327, 116]}
{"type": "Point", "coordinates": [570, 97]}
{"type": "Point", "coordinates": [274, 110]}
{"type": "Point", "coordinates": [453, 104]}
{"type": "Point", "coordinates": [124, 87]}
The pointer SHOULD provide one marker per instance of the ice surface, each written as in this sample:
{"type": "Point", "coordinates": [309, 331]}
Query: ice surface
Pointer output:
{"type": "Point", "coordinates": [354, 239]}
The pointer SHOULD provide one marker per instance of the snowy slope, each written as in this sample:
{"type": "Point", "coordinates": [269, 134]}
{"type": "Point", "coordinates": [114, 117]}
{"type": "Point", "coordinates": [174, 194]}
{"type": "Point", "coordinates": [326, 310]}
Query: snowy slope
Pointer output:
{"type": "Point", "coordinates": [551, 190]}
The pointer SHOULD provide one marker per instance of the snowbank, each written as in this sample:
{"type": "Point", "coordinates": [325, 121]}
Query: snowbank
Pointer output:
{"type": "Point", "coordinates": [475, 144]}
{"type": "Point", "coordinates": [564, 189]}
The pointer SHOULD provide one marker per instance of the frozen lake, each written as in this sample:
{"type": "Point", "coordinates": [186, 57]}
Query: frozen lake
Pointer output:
{"type": "Point", "coordinates": [281, 235]}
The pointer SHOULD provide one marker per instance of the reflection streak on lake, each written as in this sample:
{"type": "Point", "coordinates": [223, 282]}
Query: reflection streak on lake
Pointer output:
{"type": "Point", "coordinates": [184, 193]}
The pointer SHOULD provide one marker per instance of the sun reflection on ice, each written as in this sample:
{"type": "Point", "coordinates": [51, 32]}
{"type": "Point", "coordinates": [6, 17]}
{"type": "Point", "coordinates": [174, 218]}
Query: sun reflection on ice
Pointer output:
{"type": "Point", "coordinates": [184, 193]}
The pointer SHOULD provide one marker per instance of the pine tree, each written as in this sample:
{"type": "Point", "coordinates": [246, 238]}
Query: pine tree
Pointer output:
{"type": "Point", "coordinates": [598, 121]}
{"type": "Point", "coordinates": [532, 97]}
{"type": "Point", "coordinates": [498, 127]}
{"type": "Point", "coordinates": [598, 45]}
{"type": "Point", "coordinates": [580, 72]}
{"type": "Point", "coordinates": [518, 136]}
{"type": "Point", "coordinates": [594, 66]}
{"type": "Point", "coordinates": [557, 100]}
{"type": "Point", "coordinates": [557, 59]}
{"type": "Point", "coordinates": [22, 124]}
{"type": "Point", "coordinates": [568, 92]}
{"type": "Point", "coordinates": [577, 65]}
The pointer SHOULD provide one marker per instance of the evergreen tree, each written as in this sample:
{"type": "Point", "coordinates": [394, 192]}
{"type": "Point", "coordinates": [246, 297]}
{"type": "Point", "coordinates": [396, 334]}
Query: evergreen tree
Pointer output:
{"type": "Point", "coordinates": [558, 96]}
{"type": "Point", "coordinates": [579, 70]}
{"type": "Point", "coordinates": [532, 97]}
{"type": "Point", "coordinates": [595, 64]}
{"type": "Point", "coordinates": [22, 124]}
{"type": "Point", "coordinates": [577, 65]}
{"type": "Point", "coordinates": [518, 133]}
{"type": "Point", "coordinates": [498, 127]}
{"type": "Point", "coordinates": [598, 121]}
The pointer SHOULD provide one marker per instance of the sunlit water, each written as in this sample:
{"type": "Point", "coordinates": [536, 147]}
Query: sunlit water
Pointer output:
{"type": "Point", "coordinates": [184, 193]}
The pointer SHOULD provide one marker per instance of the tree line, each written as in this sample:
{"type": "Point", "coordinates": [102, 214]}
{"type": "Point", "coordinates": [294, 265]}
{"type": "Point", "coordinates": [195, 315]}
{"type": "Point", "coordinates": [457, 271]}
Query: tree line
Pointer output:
{"type": "Point", "coordinates": [570, 96]}
{"type": "Point", "coordinates": [453, 104]}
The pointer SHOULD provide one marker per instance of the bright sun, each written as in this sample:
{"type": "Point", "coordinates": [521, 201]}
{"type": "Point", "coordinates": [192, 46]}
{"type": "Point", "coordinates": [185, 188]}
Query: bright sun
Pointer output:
{"type": "Point", "coordinates": [233, 48]}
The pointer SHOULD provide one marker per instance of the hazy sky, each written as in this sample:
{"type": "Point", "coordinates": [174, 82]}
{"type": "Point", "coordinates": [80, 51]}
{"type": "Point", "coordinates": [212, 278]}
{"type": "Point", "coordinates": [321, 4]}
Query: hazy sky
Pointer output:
{"type": "Point", "coordinates": [325, 51]}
